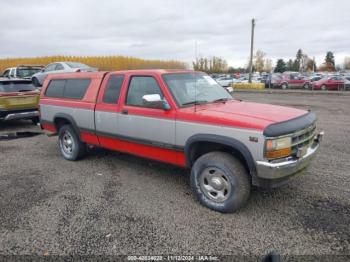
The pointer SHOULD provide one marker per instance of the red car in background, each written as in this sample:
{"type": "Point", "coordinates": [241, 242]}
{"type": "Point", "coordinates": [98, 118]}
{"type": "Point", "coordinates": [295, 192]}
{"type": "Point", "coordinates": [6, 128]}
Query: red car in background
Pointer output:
{"type": "Point", "coordinates": [330, 83]}
{"type": "Point", "coordinates": [291, 80]}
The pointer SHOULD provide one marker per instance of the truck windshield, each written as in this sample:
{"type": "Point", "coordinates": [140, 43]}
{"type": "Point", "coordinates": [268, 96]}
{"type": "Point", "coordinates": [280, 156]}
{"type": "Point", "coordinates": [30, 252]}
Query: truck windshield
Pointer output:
{"type": "Point", "coordinates": [16, 86]}
{"type": "Point", "coordinates": [195, 88]}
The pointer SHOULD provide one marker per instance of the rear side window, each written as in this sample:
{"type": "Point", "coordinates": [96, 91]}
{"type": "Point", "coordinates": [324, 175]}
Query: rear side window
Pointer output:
{"type": "Point", "coordinates": [67, 88]}
{"type": "Point", "coordinates": [76, 88]}
{"type": "Point", "coordinates": [55, 88]}
{"type": "Point", "coordinates": [112, 91]}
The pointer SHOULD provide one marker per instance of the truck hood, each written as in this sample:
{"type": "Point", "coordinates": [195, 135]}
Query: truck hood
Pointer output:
{"type": "Point", "coordinates": [241, 114]}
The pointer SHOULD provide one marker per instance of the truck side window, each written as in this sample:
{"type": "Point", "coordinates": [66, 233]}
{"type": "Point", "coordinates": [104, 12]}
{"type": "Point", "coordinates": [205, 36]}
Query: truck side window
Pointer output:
{"type": "Point", "coordinates": [55, 88]}
{"type": "Point", "coordinates": [68, 88]}
{"type": "Point", "coordinates": [76, 88]}
{"type": "Point", "coordinates": [140, 86]}
{"type": "Point", "coordinates": [112, 90]}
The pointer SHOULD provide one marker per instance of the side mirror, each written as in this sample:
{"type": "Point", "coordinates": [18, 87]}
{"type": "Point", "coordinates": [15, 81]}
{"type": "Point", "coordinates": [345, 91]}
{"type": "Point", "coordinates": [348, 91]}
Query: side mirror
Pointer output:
{"type": "Point", "coordinates": [155, 101]}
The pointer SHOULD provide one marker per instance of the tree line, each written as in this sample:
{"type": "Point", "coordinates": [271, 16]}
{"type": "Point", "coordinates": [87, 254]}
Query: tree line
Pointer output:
{"type": "Point", "coordinates": [303, 63]}
{"type": "Point", "coordinates": [261, 63]}
{"type": "Point", "coordinates": [217, 65]}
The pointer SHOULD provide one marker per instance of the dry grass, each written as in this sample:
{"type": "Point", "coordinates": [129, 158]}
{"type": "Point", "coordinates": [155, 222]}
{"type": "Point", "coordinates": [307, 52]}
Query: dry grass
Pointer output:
{"type": "Point", "coordinates": [103, 63]}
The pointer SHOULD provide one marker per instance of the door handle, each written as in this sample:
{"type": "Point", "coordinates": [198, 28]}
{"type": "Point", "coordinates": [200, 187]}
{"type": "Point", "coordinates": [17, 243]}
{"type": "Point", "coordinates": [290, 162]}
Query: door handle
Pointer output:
{"type": "Point", "coordinates": [125, 111]}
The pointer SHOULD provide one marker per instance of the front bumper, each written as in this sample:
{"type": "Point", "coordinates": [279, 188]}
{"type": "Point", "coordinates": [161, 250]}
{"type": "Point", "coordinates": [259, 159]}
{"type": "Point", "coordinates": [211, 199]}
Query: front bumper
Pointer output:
{"type": "Point", "coordinates": [282, 170]}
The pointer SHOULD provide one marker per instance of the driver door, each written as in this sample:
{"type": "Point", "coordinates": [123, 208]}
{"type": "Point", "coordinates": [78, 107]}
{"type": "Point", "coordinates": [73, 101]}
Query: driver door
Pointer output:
{"type": "Point", "coordinates": [150, 131]}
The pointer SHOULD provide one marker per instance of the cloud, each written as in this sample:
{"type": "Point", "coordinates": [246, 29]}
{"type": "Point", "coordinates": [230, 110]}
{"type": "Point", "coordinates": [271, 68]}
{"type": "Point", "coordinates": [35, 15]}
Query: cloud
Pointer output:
{"type": "Point", "coordinates": [166, 29]}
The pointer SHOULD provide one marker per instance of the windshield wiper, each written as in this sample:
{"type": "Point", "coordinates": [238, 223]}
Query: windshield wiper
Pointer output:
{"type": "Point", "coordinates": [198, 102]}
{"type": "Point", "coordinates": [221, 100]}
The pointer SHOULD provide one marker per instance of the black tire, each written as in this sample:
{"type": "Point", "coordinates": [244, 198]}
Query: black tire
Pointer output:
{"type": "Point", "coordinates": [284, 86]}
{"type": "Point", "coordinates": [233, 174]}
{"type": "Point", "coordinates": [35, 120]}
{"type": "Point", "coordinates": [77, 149]}
{"type": "Point", "coordinates": [307, 86]}
{"type": "Point", "coordinates": [36, 82]}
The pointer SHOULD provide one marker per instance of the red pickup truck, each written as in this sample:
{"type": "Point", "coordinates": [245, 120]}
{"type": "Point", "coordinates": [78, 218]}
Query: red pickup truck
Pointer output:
{"type": "Point", "coordinates": [184, 118]}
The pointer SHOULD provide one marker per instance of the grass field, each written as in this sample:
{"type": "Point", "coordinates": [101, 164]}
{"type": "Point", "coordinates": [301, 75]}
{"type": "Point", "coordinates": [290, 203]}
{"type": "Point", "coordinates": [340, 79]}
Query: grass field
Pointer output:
{"type": "Point", "coordinates": [103, 63]}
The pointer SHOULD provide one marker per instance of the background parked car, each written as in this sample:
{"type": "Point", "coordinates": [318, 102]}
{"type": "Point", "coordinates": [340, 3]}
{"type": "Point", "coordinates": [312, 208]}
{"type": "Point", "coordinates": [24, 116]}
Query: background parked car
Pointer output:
{"type": "Point", "coordinates": [291, 80]}
{"type": "Point", "coordinates": [245, 79]}
{"type": "Point", "coordinates": [59, 67]}
{"type": "Point", "coordinates": [226, 81]}
{"type": "Point", "coordinates": [330, 83]}
{"type": "Point", "coordinates": [347, 83]}
{"type": "Point", "coordinates": [266, 79]}
{"type": "Point", "coordinates": [22, 71]}
{"type": "Point", "coordinates": [315, 78]}
{"type": "Point", "coordinates": [18, 100]}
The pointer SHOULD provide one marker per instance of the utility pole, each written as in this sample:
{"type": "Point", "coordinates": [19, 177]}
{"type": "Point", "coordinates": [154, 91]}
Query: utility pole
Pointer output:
{"type": "Point", "coordinates": [314, 65]}
{"type": "Point", "coordinates": [251, 51]}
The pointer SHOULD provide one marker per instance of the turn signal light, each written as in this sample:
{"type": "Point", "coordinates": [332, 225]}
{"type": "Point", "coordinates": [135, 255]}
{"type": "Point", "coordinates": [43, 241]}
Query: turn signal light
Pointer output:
{"type": "Point", "coordinates": [279, 153]}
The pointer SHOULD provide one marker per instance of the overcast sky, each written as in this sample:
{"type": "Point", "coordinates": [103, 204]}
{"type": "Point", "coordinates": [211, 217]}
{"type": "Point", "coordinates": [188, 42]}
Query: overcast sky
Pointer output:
{"type": "Point", "coordinates": [164, 29]}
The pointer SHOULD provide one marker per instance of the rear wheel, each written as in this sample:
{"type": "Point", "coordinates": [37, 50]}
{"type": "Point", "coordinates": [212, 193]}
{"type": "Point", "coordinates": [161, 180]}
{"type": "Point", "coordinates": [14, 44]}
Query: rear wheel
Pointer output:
{"type": "Point", "coordinates": [69, 143]}
{"type": "Point", "coordinates": [220, 182]}
{"type": "Point", "coordinates": [284, 86]}
{"type": "Point", "coordinates": [307, 86]}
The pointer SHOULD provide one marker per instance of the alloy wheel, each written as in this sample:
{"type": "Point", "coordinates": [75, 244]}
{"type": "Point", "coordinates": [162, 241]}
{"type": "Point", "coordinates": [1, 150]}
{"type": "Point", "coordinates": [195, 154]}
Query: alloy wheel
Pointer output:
{"type": "Point", "coordinates": [215, 184]}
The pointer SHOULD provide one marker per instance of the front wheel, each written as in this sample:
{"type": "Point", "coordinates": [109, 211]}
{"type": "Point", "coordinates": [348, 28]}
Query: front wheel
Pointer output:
{"type": "Point", "coordinates": [220, 182]}
{"type": "Point", "coordinates": [69, 143]}
{"type": "Point", "coordinates": [36, 82]}
{"type": "Point", "coordinates": [323, 87]}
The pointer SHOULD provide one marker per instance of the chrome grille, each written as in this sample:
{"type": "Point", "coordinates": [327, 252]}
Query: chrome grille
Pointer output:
{"type": "Point", "coordinates": [303, 138]}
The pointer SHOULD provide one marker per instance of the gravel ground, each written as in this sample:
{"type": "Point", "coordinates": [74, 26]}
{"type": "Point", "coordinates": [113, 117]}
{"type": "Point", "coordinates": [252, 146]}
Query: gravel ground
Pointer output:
{"type": "Point", "coordinates": [111, 203]}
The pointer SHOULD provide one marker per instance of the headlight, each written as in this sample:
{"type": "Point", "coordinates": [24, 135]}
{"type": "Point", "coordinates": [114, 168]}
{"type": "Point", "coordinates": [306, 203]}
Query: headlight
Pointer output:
{"type": "Point", "coordinates": [278, 148]}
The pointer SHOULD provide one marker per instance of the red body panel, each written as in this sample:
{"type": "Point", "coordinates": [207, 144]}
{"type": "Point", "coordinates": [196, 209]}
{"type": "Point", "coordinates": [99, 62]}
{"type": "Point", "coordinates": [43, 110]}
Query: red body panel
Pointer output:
{"type": "Point", "coordinates": [238, 114]}
{"type": "Point", "coordinates": [155, 153]}
{"type": "Point", "coordinates": [49, 127]}
{"type": "Point", "coordinates": [89, 138]}
{"type": "Point", "coordinates": [68, 103]}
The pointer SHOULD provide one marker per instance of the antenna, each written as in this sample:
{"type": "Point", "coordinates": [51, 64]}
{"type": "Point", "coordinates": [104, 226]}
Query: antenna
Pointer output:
{"type": "Point", "coordinates": [194, 76]}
